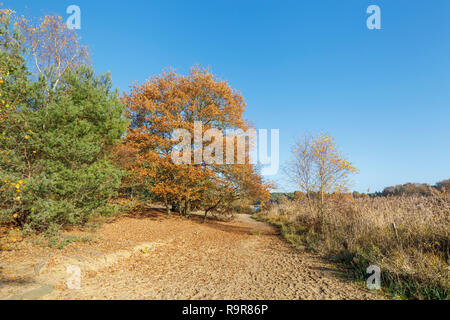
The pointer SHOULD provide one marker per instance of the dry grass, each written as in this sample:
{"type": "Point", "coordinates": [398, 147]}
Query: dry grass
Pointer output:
{"type": "Point", "coordinates": [407, 237]}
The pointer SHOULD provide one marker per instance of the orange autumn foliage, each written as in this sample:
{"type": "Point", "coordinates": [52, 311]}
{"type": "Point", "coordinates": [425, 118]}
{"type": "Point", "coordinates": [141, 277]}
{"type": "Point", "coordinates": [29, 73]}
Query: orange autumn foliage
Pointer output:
{"type": "Point", "coordinates": [171, 101]}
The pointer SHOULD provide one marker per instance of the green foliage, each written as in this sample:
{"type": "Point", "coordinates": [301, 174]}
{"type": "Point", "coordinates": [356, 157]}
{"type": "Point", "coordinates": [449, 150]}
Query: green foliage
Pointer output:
{"type": "Point", "coordinates": [71, 239]}
{"type": "Point", "coordinates": [54, 165]}
{"type": "Point", "coordinates": [13, 70]}
{"type": "Point", "coordinates": [54, 241]}
{"type": "Point", "coordinates": [397, 286]}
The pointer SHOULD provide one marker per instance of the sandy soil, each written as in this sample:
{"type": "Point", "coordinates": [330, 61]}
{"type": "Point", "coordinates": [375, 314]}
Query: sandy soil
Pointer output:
{"type": "Point", "coordinates": [151, 256]}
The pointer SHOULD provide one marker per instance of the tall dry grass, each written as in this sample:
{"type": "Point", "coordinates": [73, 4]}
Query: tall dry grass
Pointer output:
{"type": "Point", "coordinates": [407, 237]}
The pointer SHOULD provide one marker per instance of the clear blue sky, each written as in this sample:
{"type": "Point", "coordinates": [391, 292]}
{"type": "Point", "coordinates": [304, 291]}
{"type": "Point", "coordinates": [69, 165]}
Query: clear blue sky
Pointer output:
{"type": "Point", "coordinates": [302, 66]}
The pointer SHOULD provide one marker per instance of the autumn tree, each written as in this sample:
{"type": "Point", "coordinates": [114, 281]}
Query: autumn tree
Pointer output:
{"type": "Point", "coordinates": [52, 48]}
{"type": "Point", "coordinates": [171, 101]}
{"type": "Point", "coordinates": [443, 185]}
{"type": "Point", "coordinates": [235, 182]}
{"type": "Point", "coordinates": [300, 169]}
{"type": "Point", "coordinates": [333, 169]}
{"type": "Point", "coordinates": [318, 168]}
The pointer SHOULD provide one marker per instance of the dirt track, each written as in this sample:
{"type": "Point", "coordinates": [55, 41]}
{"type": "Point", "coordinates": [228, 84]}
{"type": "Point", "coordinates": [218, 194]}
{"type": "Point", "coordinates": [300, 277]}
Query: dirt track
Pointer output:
{"type": "Point", "coordinates": [155, 257]}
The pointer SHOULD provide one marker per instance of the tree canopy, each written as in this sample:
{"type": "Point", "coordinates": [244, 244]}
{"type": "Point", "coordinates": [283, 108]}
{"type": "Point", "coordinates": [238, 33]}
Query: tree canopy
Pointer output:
{"type": "Point", "coordinates": [55, 167]}
{"type": "Point", "coordinates": [171, 101]}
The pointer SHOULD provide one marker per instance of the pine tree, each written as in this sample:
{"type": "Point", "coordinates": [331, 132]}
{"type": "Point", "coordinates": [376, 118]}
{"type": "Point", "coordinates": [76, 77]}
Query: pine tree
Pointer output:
{"type": "Point", "coordinates": [55, 166]}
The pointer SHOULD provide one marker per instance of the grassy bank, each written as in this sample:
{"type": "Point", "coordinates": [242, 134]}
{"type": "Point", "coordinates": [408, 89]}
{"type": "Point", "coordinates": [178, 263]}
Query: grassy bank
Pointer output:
{"type": "Point", "coordinates": [407, 237]}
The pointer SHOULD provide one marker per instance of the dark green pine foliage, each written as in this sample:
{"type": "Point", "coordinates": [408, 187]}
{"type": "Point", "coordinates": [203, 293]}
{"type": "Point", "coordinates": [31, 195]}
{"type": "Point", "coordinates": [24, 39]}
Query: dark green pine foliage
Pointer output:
{"type": "Point", "coordinates": [61, 153]}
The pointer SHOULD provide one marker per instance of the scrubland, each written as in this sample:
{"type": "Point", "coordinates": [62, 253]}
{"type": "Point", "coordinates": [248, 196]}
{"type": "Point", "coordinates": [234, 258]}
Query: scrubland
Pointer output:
{"type": "Point", "coordinates": [406, 236]}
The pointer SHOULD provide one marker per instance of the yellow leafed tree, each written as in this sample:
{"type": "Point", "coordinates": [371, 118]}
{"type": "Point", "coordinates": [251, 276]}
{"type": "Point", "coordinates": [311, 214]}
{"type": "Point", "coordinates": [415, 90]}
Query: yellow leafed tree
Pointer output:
{"type": "Point", "coordinates": [318, 168]}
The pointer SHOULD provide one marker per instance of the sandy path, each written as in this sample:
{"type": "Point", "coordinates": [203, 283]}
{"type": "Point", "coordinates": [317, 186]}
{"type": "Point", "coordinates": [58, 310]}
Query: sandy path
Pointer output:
{"type": "Point", "coordinates": [154, 257]}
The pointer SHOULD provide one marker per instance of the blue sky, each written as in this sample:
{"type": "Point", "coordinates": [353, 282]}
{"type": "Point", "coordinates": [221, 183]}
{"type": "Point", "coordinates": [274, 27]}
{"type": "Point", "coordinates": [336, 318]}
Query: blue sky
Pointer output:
{"type": "Point", "coordinates": [302, 66]}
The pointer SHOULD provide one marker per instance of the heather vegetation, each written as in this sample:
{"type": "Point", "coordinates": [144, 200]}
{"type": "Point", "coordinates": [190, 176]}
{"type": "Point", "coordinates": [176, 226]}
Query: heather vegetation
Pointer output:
{"type": "Point", "coordinates": [404, 230]}
{"type": "Point", "coordinates": [406, 236]}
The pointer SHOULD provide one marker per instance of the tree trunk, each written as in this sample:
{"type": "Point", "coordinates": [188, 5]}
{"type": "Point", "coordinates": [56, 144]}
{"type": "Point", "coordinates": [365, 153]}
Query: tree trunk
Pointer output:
{"type": "Point", "coordinates": [204, 217]}
{"type": "Point", "coordinates": [211, 208]}
{"type": "Point", "coordinates": [187, 208]}
{"type": "Point", "coordinates": [166, 203]}
{"type": "Point", "coordinates": [180, 207]}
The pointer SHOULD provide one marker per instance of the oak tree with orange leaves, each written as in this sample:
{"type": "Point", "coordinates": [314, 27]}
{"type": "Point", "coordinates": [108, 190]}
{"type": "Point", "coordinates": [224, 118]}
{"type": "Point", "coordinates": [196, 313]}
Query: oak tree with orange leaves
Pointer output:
{"type": "Point", "coordinates": [171, 101]}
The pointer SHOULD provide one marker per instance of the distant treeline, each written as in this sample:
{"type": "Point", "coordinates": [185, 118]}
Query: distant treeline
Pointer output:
{"type": "Point", "coordinates": [401, 189]}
